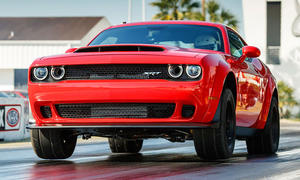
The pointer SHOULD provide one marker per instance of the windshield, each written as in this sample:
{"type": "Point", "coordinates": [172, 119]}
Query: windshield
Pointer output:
{"type": "Point", "coordinates": [184, 36]}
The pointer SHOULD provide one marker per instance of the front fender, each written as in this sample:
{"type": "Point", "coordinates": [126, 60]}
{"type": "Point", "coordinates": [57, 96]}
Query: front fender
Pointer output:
{"type": "Point", "coordinates": [219, 69]}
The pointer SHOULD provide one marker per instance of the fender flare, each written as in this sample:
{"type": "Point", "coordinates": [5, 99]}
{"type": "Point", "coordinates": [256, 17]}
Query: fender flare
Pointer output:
{"type": "Point", "coordinates": [222, 72]}
{"type": "Point", "coordinates": [263, 117]}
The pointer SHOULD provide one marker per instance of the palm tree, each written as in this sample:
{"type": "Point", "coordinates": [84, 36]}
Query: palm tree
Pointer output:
{"type": "Point", "coordinates": [216, 14]}
{"type": "Point", "coordinates": [184, 9]}
{"type": "Point", "coordinates": [174, 9]}
{"type": "Point", "coordinates": [203, 9]}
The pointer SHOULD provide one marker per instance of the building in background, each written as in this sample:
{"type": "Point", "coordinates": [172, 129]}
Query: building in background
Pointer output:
{"type": "Point", "coordinates": [274, 27]}
{"type": "Point", "coordinates": [271, 25]}
{"type": "Point", "coordinates": [24, 39]}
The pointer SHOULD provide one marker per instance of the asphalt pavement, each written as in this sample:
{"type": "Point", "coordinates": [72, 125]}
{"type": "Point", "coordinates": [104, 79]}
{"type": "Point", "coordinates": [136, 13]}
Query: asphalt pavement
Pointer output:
{"type": "Point", "coordinates": [159, 159]}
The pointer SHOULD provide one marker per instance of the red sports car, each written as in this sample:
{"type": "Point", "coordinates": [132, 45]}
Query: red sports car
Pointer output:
{"type": "Point", "coordinates": [177, 80]}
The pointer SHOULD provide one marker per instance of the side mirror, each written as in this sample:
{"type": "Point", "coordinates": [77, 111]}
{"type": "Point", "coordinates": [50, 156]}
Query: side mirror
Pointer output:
{"type": "Point", "coordinates": [71, 50]}
{"type": "Point", "coordinates": [249, 51]}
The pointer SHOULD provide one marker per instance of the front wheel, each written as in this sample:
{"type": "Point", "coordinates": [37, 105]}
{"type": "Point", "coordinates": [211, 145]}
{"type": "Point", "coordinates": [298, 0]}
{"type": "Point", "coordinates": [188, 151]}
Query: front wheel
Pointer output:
{"type": "Point", "coordinates": [218, 143]}
{"type": "Point", "coordinates": [53, 143]}
{"type": "Point", "coordinates": [121, 145]}
{"type": "Point", "coordinates": [267, 141]}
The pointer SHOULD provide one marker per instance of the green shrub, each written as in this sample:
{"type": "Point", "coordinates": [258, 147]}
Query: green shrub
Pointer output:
{"type": "Point", "coordinates": [286, 99]}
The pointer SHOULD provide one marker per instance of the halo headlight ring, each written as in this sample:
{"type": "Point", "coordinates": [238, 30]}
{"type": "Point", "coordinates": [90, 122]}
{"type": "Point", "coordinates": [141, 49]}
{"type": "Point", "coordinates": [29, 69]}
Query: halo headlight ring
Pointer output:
{"type": "Point", "coordinates": [57, 73]}
{"type": "Point", "coordinates": [175, 71]}
{"type": "Point", "coordinates": [193, 71]}
{"type": "Point", "coordinates": [40, 73]}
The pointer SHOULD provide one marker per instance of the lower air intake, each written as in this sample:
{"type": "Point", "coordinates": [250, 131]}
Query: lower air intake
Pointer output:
{"type": "Point", "coordinates": [114, 110]}
{"type": "Point", "coordinates": [46, 111]}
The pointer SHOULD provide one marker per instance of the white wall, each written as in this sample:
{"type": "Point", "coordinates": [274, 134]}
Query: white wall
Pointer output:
{"type": "Point", "coordinates": [6, 79]}
{"type": "Point", "coordinates": [100, 26]}
{"type": "Point", "coordinates": [20, 54]}
{"type": "Point", "coordinates": [289, 69]}
{"type": "Point", "coordinates": [255, 24]}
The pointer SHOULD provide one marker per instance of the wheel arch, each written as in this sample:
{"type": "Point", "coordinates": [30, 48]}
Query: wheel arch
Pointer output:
{"type": "Point", "coordinates": [275, 93]}
{"type": "Point", "coordinates": [230, 83]}
{"type": "Point", "coordinates": [222, 76]}
{"type": "Point", "coordinates": [271, 91]}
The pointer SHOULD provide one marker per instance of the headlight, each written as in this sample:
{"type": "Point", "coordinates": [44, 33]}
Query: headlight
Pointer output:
{"type": "Point", "coordinates": [40, 73]}
{"type": "Point", "coordinates": [175, 71]}
{"type": "Point", "coordinates": [57, 72]}
{"type": "Point", "coordinates": [193, 71]}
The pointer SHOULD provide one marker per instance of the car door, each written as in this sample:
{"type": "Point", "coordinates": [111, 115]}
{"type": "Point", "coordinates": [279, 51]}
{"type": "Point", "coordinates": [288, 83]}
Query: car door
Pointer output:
{"type": "Point", "coordinates": [250, 81]}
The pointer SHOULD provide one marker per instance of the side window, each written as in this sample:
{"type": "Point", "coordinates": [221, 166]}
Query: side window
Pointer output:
{"type": "Point", "coordinates": [236, 44]}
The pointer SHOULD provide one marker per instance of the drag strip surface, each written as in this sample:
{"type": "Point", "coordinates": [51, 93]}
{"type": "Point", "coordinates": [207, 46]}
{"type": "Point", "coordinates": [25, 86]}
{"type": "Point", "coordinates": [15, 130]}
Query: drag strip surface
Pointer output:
{"type": "Point", "coordinates": [159, 159]}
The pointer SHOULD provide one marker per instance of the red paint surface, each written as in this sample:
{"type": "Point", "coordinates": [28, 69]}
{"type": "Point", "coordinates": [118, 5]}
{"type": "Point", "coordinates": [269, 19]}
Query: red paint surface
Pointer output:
{"type": "Point", "coordinates": [254, 90]}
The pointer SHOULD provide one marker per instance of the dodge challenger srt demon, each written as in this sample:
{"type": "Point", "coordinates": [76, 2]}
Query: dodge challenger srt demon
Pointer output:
{"type": "Point", "coordinates": [177, 80]}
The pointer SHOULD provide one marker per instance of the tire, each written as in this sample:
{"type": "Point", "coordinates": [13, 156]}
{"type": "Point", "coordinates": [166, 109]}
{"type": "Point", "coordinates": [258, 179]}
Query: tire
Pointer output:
{"type": "Point", "coordinates": [218, 143]}
{"type": "Point", "coordinates": [52, 143]}
{"type": "Point", "coordinates": [267, 142]}
{"type": "Point", "coordinates": [120, 145]}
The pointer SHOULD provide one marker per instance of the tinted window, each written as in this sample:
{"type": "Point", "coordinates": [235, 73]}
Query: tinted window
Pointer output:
{"type": "Point", "coordinates": [21, 78]}
{"type": "Point", "coordinates": [236, 44]}
{"type": "Point", "coordinates": [184, 36]}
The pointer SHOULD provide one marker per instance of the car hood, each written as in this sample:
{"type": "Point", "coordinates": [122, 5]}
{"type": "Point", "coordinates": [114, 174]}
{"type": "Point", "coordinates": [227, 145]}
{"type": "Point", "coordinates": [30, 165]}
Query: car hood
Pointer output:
{"type": "Point", "coordinates": [127, 54]}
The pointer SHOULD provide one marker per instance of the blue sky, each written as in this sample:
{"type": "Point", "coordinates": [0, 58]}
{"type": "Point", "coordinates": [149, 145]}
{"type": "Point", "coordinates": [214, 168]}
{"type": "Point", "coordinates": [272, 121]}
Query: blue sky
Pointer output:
{"type": "Point", "coordinates": [114, 10]}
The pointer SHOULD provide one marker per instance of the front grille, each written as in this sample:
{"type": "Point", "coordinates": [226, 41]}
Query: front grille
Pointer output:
{"type": "Point", "coordinates": [116, 71]}
{"type": "Point", "coordinates": [114, 110]}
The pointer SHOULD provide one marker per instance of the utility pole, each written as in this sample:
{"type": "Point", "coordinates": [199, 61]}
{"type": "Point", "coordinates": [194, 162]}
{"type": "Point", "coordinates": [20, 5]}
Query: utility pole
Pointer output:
{"type": "Point", "coordinates": [143, 10]}
{"type": "Point", "coordinates": [203, 9]}
{"type": "Point", "coordinates": [129, 11]}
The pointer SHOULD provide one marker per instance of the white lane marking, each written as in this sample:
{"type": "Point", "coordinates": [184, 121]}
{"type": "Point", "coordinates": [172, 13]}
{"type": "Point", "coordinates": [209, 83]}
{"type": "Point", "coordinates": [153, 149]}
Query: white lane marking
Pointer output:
{"type": "Point", "coordinates": [89, 158]}
{"type": "Point", "coordinates": [14, 167]}
{"type": "Point", "coordinates": [293, 151]}
{"type": "Point", "coordinates": [288, 176]}
{"type": "Point", "coordinates": [290, 128]}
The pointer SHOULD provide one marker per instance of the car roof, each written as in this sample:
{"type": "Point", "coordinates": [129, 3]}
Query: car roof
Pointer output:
{"type": "Point", "coordinates": [204, 23]}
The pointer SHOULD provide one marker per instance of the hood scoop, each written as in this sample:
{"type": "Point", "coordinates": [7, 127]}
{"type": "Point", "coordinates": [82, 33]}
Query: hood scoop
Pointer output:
{"type": "Point", "coordinates": [118, 48]}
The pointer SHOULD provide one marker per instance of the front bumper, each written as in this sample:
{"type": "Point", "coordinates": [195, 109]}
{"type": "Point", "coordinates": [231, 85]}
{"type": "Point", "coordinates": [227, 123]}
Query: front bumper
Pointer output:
{"type": "Point", "coordinates": [124, 91]}
{"type": "Point", "coordinates": [187, 125]}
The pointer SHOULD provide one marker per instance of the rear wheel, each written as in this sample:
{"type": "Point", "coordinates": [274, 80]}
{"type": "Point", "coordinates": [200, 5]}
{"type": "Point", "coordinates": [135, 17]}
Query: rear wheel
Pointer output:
{"type": "Point", "coordinates": [121, 145]}
{"type": "Point", "coordinates": [53, 143]}
{"type": "Point", "coordinates": [267, 141]}
{"type": "Point", "coordinates": [218, 143]}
